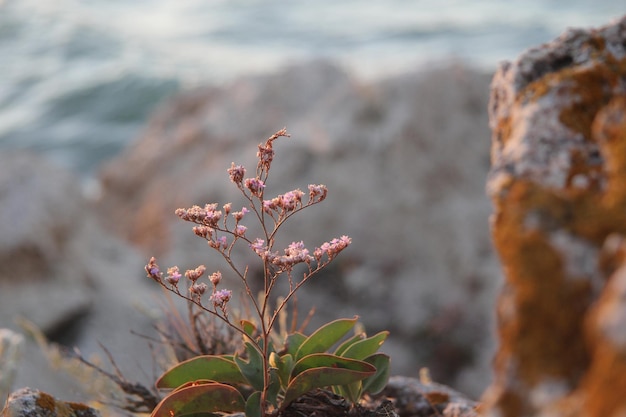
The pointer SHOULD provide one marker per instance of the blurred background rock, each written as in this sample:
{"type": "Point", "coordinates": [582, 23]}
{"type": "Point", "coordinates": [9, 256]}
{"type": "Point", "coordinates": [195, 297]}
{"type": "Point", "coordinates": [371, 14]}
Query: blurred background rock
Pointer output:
{"type": "Point", "coordinates": [113, 114]}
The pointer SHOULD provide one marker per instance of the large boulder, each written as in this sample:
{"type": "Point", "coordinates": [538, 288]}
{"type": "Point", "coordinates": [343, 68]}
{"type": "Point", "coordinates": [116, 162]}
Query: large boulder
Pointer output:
{"type": "Point", "coordinates": [558, 185]}
{"type": "Point", "coordinates": [404, 160]}
{"type": "Point", "coordinates": [63, 275]}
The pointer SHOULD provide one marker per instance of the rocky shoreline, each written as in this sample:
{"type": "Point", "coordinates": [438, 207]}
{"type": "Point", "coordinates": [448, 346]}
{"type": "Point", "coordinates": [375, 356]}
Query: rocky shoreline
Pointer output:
{"type": "Point", "coordinates": [405, 161]}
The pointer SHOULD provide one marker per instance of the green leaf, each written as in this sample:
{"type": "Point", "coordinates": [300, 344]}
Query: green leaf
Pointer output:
{"type": "Point", "coordinates": [317, 360]}
{"type": "Point", "coordinates": [321, 377]}
{"type": "Point", "coordinates": [248, 328]}
{"type": "Point", "coordinates": [325, 337]}
{"type": "Point", "coordinates": [284, 366]}
{"type": "Point", "coordinates": [252, 369]}
{"type": "Point", "coordinates": [253, 405]}
{"type": "Point", "coordinates": [293, 343]}
{"type": "Point", "coordinates": [216, 368]}
{"type": "Point", "coordinates": [271, 394]}
{"type": "Point", "coordinates": [366, 347]}
{"type": "Point", "coordinates": [345, 345]}
{"type": "Point", "coordinates": [200, 399]}
{"type": "Point", "coordinates": [377, 382]}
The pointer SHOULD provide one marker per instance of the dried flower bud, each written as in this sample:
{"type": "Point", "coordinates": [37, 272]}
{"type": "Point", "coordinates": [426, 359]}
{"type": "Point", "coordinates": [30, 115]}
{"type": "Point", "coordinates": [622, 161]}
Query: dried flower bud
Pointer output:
{"type": "Point", "coordinates": [194, 274]}
{"type": "Point", "coordinates": [227, 208]}
{"type": "Point", "coordinates": [238, 215]}
{"type": "Point", "coordinates": [198, 289]}
{"type": "Point", "coordinates": [265, 155]}
{"type": "Point", "coordinates": [215, 278]}
{"type": "Point", "coordinates": [203, 231]}
{"type": "Point", "coordinates": [236, 173]}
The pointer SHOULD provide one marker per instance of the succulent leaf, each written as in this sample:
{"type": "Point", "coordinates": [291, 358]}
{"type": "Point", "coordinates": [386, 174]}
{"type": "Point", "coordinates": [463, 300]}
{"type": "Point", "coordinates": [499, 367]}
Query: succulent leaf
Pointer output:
{"type": "Point", "coordinates": [252, 369]}
{"type": "Point", "coordinates": [366, 347]}
{"type": "Point", "coordinates": [377, 382]}
{"type": "Point", "coordinates": [217, 368]}
{"type": "Point", "coordinates": [326, 336]}
{"type": "Point", "coordinates": [253, 405]}
{"type": "Point", "coordinates": [324, 376]}
{"type": "Point", "coordinates": [200, 399]}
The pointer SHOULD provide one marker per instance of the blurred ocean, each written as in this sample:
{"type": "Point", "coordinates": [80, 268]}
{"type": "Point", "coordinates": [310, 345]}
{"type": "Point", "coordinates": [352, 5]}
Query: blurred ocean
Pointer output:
{"type": "Point", "coordinates": [78, 78]}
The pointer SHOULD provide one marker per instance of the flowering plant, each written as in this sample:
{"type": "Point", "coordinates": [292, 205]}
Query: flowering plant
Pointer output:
{"type": "Point", "coordinates": [273, 369]}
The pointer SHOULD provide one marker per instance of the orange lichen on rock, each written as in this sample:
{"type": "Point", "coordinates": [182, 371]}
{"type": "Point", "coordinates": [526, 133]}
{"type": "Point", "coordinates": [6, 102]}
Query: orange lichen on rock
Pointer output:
{"type": "Point", "coordinates": [558, 185]}
{"type": "Point", "coordinates": [30, 402]}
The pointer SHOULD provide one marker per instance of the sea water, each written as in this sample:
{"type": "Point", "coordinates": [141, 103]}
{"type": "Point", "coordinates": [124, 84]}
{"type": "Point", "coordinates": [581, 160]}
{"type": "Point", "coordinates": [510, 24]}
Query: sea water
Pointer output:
{"type": "Point", "coordinates": [78, 78]}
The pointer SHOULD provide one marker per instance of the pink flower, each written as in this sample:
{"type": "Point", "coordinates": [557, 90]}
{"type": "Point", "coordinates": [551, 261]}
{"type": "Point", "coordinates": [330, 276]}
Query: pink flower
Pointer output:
{"type": "Point", "coordinates": [258, 246]}
{"type": "Point", "coordinates": [289, 201]}
{"type": "Point", "coordinates": [153, 269]}
{"type": "Point", "coordinates": [240, 230]}
{"type": "Point", "coordinates": [294, 254]}
{"type": "Point", "coordinates": [219, 244]}
{"type": "Point", "coordinates": [236, 173]}
{"type": "Point", "coordinates": [317, 192]}
{"type": "Point", "coordinates": [270, 205]}
{"type": "Point", "coordinates": [255, 186]}
{"type": "Point", "coordinates": [333, 248]}
{"type": "Point", "coordinates": [221, 297]}
{"type": "Point", "coordinates": [238, 215]}
{"type": "Point", "coordinates": [173, 275]}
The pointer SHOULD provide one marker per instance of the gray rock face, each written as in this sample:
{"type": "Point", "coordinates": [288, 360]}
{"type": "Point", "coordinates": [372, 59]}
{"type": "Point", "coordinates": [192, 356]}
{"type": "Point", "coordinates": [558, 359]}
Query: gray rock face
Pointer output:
{"type": "Point", "coordinates": [404, 160]}
{"type": "Point", "coordinates": [41, 210]}
{"type": "Point", "coordinates": [62, 272]}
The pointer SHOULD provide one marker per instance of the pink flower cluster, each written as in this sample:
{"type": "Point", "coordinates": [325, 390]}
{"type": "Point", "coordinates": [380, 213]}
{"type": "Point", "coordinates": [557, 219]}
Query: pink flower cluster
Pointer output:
{"type": "Point", "coordinates": [221, 297]}
{"type": "Point", "coordinates": [317, 192]}
{"type": "Point", "coordinates": [196, 289]}
{"type": "Point", "coordinates": [207, 215]}
{"type": "Point", "coordinates": [236, 173]}
{"type": "Point", "coordinates": [285, 202]}
{"type": "Point", "coordinates": [332, 249]}
{"type": "Point", "coordinates": [297, 253]}
{"type": "Point", "coordinates": [255, 186]}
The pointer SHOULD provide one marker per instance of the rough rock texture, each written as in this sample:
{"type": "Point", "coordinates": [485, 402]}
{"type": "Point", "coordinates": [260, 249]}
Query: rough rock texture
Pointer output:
{"type": "Point", "coordinates": [421, 263]}
{"type": "Point", "coordinates": [558, 185]}
{"type": "Point", "coordinates": [27, 402]}
{"type": "Point", "coordinates": [40, 209]}
{"type": "Point", "coordinates": [61, 271]}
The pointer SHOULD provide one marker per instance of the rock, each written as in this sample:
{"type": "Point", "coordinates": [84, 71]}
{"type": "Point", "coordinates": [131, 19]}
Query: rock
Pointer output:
{"type": "Point", "coordinates": [63, 274]}
{"type": "Point", "coordinates": [10, 354]}
{"type": "Point", "coordinates": [33, 403]}
{"type": "Point", "coordinates": [557, 183]}
{"type": "Point", "coordinates": [404, 161]}
{"type": "Point", "coordinates": [41, 208]}
{"type": "Point", "coordinates": [418, 397]}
